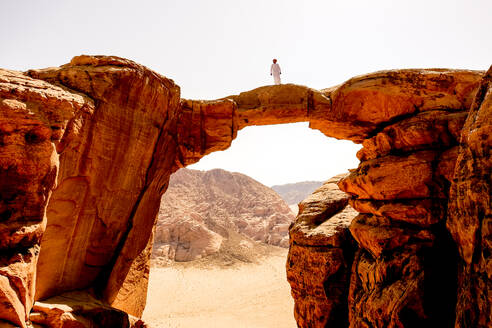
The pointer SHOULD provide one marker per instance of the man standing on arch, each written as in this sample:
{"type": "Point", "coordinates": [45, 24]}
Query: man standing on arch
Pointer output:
{"type": "Point", "coordinates": [275, 71]}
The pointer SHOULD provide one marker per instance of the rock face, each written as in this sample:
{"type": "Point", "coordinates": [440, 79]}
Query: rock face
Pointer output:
{"type": "Point", "coordinates": [406, 266]}
{"type": "Point", "coordinates": [35, 122]}
{"type": "Point", "coordinates": [320, 257]}
{"type": "Point", "coordinates": [293, 193]}
{"type": "Point", "coordinates": [404, 273]}
{"type": "Point", "coordinates": [470, 213]}
{"type": "Point", "coordinates": [109, 184]}
{"type": "Point", "coordinates": [200, 208]}
{"type": "Point", "coordinates": [115, 131]}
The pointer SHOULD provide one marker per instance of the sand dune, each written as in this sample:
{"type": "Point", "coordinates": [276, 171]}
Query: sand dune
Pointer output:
{"type": "Point", "coordinates": [246, 295]}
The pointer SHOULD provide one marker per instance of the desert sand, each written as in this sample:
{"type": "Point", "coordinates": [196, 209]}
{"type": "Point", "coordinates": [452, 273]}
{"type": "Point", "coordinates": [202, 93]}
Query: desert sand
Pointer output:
{"type": "Point", "coordinates": [248, 295]}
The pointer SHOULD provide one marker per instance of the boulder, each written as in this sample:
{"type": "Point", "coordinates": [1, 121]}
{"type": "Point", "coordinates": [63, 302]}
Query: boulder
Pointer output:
{"type": "Point", "coordinates": [80, 310]}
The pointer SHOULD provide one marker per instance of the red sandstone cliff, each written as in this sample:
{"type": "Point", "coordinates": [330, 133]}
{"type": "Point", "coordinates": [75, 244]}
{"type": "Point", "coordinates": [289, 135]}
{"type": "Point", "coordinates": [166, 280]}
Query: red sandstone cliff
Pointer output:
{"type": "Point", "coordinates": [36, 119]}
{"type": "Point", "coordinates": [320, 256]}
{"type": "Point", "coordinates": [470, 214]}
{"type": "Point", "coordinates": [110, 123]}
{"type": "Point", "coordinates": [87, 150]}
{"type": "Point", "coordinates": [201, 208]}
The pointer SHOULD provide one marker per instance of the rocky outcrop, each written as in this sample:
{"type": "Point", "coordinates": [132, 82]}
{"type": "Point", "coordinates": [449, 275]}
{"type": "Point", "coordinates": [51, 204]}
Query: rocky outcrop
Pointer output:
{"type": "Point", "coordinates": [185, 239]}
{"type": "Point", "coordinates": [82, 310]}
{"type": "Point", "coordinates": [36, 121]}
{"type": "Point", "coordinates": [405, 269]}
{"type": "Point", "coordinates": [470, 213]}
{"type": "Point", "coordinates": [320, 257]}
{"type": "Point", "coordinates": [111, 177]}
{"type": "Point", "coordinates": [205, 127]}
{"type": "Point", "coordinates": [200, 208]}
{"type": "Point", "coordinates": [404, 272]}
{"type": "Point", "coordinates": [116, 131]}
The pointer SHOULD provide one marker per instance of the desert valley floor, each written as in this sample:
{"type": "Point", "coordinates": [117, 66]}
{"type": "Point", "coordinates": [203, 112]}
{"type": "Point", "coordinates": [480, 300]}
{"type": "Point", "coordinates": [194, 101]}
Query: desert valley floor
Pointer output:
{"type": "Point", "coordinates": [244, 296]}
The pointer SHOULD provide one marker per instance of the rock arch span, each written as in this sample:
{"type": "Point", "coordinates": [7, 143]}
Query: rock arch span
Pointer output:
{"type": "Point", "coordinates": [94, 143]}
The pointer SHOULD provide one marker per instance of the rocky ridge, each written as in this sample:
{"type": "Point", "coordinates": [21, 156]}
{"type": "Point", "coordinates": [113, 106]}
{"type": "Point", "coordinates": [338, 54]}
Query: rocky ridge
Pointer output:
{"type": "Point", "coordinates": [87, 150]}
{"type": "Point", "coordinates": [293, 193]}
{"type": "Point", "coordinates": [201, 208]}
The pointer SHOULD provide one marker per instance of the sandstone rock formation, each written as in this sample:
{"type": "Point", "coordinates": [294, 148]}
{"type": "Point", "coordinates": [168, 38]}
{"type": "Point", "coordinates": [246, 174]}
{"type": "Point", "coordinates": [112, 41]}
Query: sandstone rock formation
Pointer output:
{"type": "Point", "coordinates": [470, 213]}
{"type": "Point", "coordinates": [110, 178]}
{"type": "Point", "coordinates": [36, 120]}
{"type": "Point", "coordinates": [201, 208]}
{"type": "Point", "coordinates": [404, 274]}
{"type": "Point", "coordinates": [320, 257]}
{"type": "Point", "coordinates": [115, 131]}
{"type": "Point", "coordinates": [110, 121]}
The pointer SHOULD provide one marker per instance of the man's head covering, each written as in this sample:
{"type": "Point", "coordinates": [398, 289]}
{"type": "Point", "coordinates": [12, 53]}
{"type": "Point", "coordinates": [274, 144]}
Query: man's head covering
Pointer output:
{"type": "Point", "coordinates": [274, 60]}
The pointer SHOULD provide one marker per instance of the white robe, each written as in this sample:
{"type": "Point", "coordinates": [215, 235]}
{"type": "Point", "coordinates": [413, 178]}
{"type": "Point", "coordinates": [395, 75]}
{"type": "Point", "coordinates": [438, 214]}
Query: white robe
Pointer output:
{"type": "Point", "coordinates": [275, 71]}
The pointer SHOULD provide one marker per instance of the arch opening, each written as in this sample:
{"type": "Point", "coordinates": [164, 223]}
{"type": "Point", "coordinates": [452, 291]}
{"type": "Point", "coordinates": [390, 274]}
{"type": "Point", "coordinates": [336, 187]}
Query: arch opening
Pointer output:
{"type": "Point", "coordinates": [221, 239]}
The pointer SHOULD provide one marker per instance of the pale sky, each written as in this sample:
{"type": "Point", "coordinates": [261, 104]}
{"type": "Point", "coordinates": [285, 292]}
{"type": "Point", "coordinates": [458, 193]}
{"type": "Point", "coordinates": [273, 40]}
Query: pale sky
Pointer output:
{"type": "Point", "coordinates": [216, 48]}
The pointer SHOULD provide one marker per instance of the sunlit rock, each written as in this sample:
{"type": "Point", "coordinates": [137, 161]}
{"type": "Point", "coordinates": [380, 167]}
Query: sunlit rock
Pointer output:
{"type": "Point", "coordinates": [114, 131]}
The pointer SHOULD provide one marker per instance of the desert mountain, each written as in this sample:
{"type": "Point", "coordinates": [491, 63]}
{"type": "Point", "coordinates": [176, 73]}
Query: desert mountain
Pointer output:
{"type": "Point", "coordinates": [204, 211]}
{"type": "Point", "coordinates": [294, 193]}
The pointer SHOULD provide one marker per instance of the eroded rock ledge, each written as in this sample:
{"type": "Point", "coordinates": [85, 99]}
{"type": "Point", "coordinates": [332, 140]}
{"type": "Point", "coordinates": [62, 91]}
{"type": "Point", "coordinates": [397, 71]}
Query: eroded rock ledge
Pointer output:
{"type": "Point", "coordinates": [87, 150]}
{"type": "Point", "coordinates": [320, 257]}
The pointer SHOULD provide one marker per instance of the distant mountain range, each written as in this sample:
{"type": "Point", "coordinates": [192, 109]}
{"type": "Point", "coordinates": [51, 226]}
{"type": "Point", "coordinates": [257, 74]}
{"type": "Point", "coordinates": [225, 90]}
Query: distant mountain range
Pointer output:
{"type": "Point", "coordinates": [293, 193]}
{"type": "Point", "coordinates": [210, 212]}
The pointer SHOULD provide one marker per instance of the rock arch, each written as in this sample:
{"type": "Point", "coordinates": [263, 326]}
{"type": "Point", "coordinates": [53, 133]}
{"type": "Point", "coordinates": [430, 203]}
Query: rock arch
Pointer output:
{"type": "Point", "coordinates": [110, 132]}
